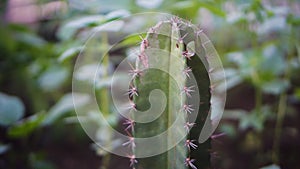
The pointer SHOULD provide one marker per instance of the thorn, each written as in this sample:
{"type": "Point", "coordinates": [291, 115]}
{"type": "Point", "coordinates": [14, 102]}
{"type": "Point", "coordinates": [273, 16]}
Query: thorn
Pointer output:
{"type": "Point", "coordinates": [189, 162]}
{"type": "Point", "coordinates": [144, 59]}
{"type": "Point", "coordinates": [130, 124]}
{"type": "Point", "coordinates": [175, 19]}
{"type": "Point", "coordinates": [189, 144]}
{"type": "Point", "coordinates": [188, 126]}
{"type": "Point", "coordinates": [188, 90]}
{"type": "Point", "coordinates": [135, 72]}
{"type": "Point", "coordinates": [144, 43]}
{"type": "Point", "coordinates": [130, 142]}
{"type": "Point", "coordinates": [187, 108]}
{"type": "Point", "coordinates": [132, 91]}
{"type": "Point", "coordinates": [215, 136]}
{"type": "Point", "coordinates": [132, 106]}
{"type": "Point", "coordinates": [180, 40]}
{"type": "Point", "coordinates": [132, 160]}
{"type": "Point", "coordinates": [189, 23]}
{"type": "Point", "coordinates": [187, 54]}
{"type": "Point", "coordinates": [152, 30]}
{"type": "Point", "coordinates": [186, 71]}
{"type": "Point", "coordinates": [199, 31]}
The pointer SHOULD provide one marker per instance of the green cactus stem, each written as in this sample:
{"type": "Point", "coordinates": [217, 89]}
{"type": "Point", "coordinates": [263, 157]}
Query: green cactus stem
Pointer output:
{"type": "Point", "coordinates": [170, 45]}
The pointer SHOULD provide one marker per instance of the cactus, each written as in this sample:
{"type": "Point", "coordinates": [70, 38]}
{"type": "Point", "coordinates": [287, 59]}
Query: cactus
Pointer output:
{"type": "Point", "coordinates": [167, 61]}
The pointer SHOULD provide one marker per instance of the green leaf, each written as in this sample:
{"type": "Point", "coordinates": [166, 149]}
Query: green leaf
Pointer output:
{"type": "Point", "coordinates": [53, 78]}
{"type": "Point", "coordinates": [275, 87]}
{"type": "Point", "coordinates": [255, 119]}
{"type": "Point", "coordinates": [37, 161]}
{"type": "Point", "coordinates": [233, 78]}
{"type": "Point", "coordinates": [63, 106]}
{"type": "Point", "coordinates": [30, 39]}
{"type": "Point", "coordinates": [11, 109]}
{"type": "Point", "coordinates": [297, 93]}
{"type": "Point", "coordinates": [26, 126]}
{"type": "Point", "coordinates": [272, 60]}
{"type": "Point", "coordinates": [149, 4]}
{"type": "Point", "coordinates": [69, 53]}
{"type": "Point", "coordinates": [70, 28]}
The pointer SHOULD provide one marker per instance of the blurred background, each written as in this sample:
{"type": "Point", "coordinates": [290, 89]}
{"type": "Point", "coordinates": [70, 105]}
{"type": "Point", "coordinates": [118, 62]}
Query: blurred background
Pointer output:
{"type": "Point", "coordinates": [258, 42]}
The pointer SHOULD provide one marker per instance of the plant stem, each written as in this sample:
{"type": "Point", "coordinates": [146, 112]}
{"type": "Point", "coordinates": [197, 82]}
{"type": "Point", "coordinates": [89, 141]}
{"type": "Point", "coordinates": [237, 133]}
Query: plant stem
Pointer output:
{"type": "Point", "coordinates": [258, 93]}
{"type": "Point", "coordinates": [278, 128]}
{"type": "Point", "coordinates": [104, 97]}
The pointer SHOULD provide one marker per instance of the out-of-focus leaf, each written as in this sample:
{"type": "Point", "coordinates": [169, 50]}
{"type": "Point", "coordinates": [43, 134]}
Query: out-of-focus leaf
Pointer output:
{"type": "Point", "coordinates": [234, 114]}
{"type": "Point", "coordinates": [237, 57]}
{"type": "Point", "coordinates": [92, 73]}
{"type": "Point", "coordinates": [275, 87]}
{"type": "Point", "coordinates": [26, 126]}
{"type": "Point", "coordinates": [107, 81]}
{"type": "Point", "coordinates": [4, 148]}
{"type": "Point", "coordinates": [103, 5]}
{"type": "Point", "coordinates": [30, 39]}
{"type": "Point", "coordinates": [88, 72]}
{"type": "Point", "coordinates": [64, 105]}
{"type": "Point", "coordinates": [128, 42]}
{"type": "Point", "coordinates": [114, 26]}
{"type": "Point", "coordinates": [69, 29]}
{"type": "Point", "coordinates": [53, 78]}
{"type": "Point", "coordinates": [273, 24]}
{"type": "Point", "coordinates": [149, 4]}
{"type": "Point", "coordinates": [230, 130]}
{"type": "Point", "coordinates": [11, 109]}
{"type": "Point", "coordinates": [297, 93]}
{"type": "Point", "coordinates": [213, 8]}
{"type": "Point", "coordinates": [245, 61]}
{"type": "Point", "coordinates": [273, 60]}
{"type": "Point", "coordinates": [235, 17]}
{"type": "Point", "coordinates": [69, 53]}
{"type": "Point", "coordinates": [38, 161]}
{"type": "Point", "coordinates": [249, 119]}
{"type": "Point", "coordinates": [233, 78]}
{"type": "Point", "coordinates": [273, 166]}
{"type": "Point", "coordinates": [193, 6]}
{"type": "Point", "coordinates": [294, 20]}
{"type": "Point", "coordinates": [117, 14]}
{"type": "Point", "coordinates": [255, 119]}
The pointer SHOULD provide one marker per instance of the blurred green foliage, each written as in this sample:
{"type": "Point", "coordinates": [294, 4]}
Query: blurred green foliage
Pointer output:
{"type": "Point", "coordinates": [258, 42]}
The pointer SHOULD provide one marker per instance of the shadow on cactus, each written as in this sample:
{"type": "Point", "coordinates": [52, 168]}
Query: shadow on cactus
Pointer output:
{"type": "Point", "coordinates": [171, 102]}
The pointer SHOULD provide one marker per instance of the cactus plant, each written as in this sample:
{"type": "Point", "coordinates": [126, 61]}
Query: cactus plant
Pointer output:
{"type": "Point", "coordinates": [167, 62]}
